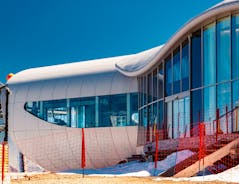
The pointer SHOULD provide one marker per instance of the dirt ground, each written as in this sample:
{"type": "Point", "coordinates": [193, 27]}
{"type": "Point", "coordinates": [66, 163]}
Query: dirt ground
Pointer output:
{"type": "Point", "coordinates": [78, 179]}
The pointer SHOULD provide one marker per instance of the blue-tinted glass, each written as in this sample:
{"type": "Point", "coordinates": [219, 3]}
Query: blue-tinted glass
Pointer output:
{"type": "Point", "coordinates": [145, 117]}
{"type": "Point", "coordinates": [186, 116]}
{"type": "Point", "coordinates": [185, 66]}
{"type": "Point", "coordinates": [235, 46]}
{"type": "Point", "coordinates": [209, 55]}
{"type": "Point", "coordinates": [176, 114]}
{"type": "Point", "coordinates": [83, 112]}
{"type": "Point", "coordinates": [150, 91]}
{"type": "Point", "coordinates": [55, 111]}
{"type": "Point", "coordinates": [160, 81]}
{"type": "Point", "coordinates": [235, 92]}
{"type": "Point", "coordinates": [176, 72]}
{"type": "Point", "coordinates": [223, 97]}
{"type": "Point", "coordinates": [209, 98]}
{"type": "Point", "coordinates": [155, 87]}
{"type": "Point", "coordinates": [112, 110]}
{"type": "Point", "coordinates": [169, 77]}
{"type": "Point", "coordinates": [196, 78]}
{"type": "Point", "coordinates": [134, 109]}
{"type": "Point", "coordinates": [196, 109]}
{"type": "Point", "coordinates": [223, 50]}
{"type": "Point", "coordinates": [160, 115]}
{"type": "Point", "coordinates": [169, 127]}
{"type": "Point", "coordinates": [144, 90]}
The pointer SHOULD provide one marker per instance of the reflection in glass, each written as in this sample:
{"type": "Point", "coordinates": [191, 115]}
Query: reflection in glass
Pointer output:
{"type": "Point", "coordinates": [185, 66]}
{"type": "Point", "coordinates": [223, 50]}
{"type": "Point", "coordinates": [103, 111]}
{"type": "Point", "coordinates": [169, 120]}
{"type": "Point", "coordinates": [235, 46]}
{"type": "Point", "coordinates": [224, 97]}
{"type": "Point", "coordinates": [176, 71]}
{"type": "Point", "coordinates": [196, 109]}
{"type": "Point", "coordinates": [196, 80]}
{"type": "Point", "coordinates": [160, 82]}
{"type": "Point", "coordinates": [209, 54]}
{"type": "Point", "coordinates": [169, 77]}
{"type": "Point", "coordinates": [155, 87]}
{"type": "Point", "coordinates": [235, 92]}
{"type": "Point", "coordinates": [209, 97]}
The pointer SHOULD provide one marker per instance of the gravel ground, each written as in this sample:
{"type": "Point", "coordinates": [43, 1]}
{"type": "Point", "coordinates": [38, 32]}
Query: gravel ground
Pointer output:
{"type": "Point", "coordinates": [78, 179]}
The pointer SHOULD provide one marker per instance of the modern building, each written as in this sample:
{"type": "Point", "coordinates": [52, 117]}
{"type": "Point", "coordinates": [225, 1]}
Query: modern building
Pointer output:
{"type": "Point", "coordinates": [120, 100]}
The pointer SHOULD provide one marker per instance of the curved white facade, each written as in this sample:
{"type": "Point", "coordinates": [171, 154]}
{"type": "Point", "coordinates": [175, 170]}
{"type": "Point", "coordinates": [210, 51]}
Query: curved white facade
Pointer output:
{"type": "Point", "coordinates": [59, 148]}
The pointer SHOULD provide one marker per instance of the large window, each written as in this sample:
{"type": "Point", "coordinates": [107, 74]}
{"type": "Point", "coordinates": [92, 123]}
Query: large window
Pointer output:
{"type": "Point", "coordinates": [209, 98]}
{"type": "Point", "coordinates": [196, 108]}
{"type": "Point", "coordinates": [155, 87]}
{"type": "Point", "coordinates": [224, 97]}
{"type": "Point", "coordinates": [176, 71]}
{"type": "Point", "coordinates": [83, 112]}
{"type": "Point", "coordinates": [235, 46]}
{"type": "Point", "coordinates": [209, 54]}
{"type": "Point", "coordinates": [223, 50]}
{"type": "Point", "coordinates": [169, 77]}
{"type": "Point", "coordinates": [185, 66]}
{"type": "Point", "coordinates": [55, 111]}
{"type": "Point", "coordinates": [102, 111]}
{"type": "Point", "coordinates": [235, 92]}
{"type": "Point", "coordinates": [160, 81]}
{"type": "Point", "coordinates": [196, 78]}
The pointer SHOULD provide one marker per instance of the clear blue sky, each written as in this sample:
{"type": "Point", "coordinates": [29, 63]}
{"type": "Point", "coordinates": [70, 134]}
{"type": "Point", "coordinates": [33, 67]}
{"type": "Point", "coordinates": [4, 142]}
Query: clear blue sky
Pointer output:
{"type": "Point", "coordinates": [37, 33]}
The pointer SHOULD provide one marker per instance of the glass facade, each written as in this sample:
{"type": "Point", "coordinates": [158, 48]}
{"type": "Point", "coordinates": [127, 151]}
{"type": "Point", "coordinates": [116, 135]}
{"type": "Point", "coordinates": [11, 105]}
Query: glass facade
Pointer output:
{"type": "Point", "coordinates": [176, 71]}
{"type": "Point", "coordinates": [185, 66]}
{"type": "Point", "coordinates": [198, 76]}
{"type": "Point", "coordinates": [223, 50]}
{"type": "Point", "coordinates": [235, 46]}
{"type": "Point", "coordinates": [209, 54]}
{"type": "Point", "coordinates": [100, 111]}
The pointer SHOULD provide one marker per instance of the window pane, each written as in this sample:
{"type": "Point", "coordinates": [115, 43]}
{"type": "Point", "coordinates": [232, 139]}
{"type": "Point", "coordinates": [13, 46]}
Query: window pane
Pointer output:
{"type": "Point", "coordinates": [169, 128]}
{"type": "Point", "coordinates": [155, 87]}
{"type": "Point", "coordinates": [150, 91]}
{"type": "Point", "coordinates": [112, 110]}
{"type": "Point", "coordinates": [223, 97]}
{"type": "Point", "coordinates": [145, 90]}
{"type": "Point", "coordinates": [176, 131]}
{"type": "Point", "coordinates": [160, 82]}
{"type": "Point", "coordinates": [196, 80]}
{"type": "Point", "coordinates": [209, 99]}
{"type": "Point", "coordinates": [83, 112]}
{"type": "Point", "coordinates": [235, 90]}
{"type": "Point", "coordinates": [176, 72]}
{"type": "Point", "coordinates": [134, 109]}
{"type": "Point", "coordinates": [196, 109]}
{"type": "Point", "coordinates": [223, 50]}
{"type": "Point", "coordinates": [209, 54]}
{"type": "Point", "coordinates": [160, 115]}
{"type": "Point", "coordinates": [169, 77]}
{"type": "Point", "coordinates": [185, 66]}
{"type": "Point", "coordinates": [235, 46]}
{"type": "Point", "coordinates": [55, 111]}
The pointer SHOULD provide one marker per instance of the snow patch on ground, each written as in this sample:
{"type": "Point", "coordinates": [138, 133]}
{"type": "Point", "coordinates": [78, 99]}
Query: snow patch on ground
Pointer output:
{"type": "Point", "coordinates": [139, 169]}
{"type": "Point", "coordinates": [230, 175]}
